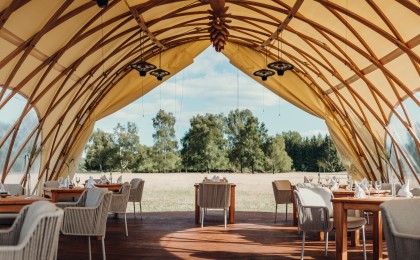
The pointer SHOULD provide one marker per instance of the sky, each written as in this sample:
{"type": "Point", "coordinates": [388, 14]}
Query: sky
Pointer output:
{"type": "Point", "coordinates": [212, 85]}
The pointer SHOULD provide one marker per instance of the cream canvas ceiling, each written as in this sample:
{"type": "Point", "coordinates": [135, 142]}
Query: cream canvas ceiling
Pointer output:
{"type": "Point", "coordinates": [355, 63]}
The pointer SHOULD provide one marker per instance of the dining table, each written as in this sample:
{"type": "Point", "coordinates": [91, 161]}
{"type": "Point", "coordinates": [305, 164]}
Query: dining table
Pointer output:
{"type": "Point", "coordinates": [110, 186]}
{"type": "Point", "coordinates": [231, 208]}
{"type": "Point", "coordinates": [13, 204]}
{"type": "Point", "coordinates": [55, 193]}
{"type": "Point", "coordinates": [342, 205]}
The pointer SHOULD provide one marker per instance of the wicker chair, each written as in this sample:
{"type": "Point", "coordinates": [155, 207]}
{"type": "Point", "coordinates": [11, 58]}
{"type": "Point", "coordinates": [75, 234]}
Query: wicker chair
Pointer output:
{"type": "Point", "coordinates": [119, 202]}
{"type": "Point", "coordinates": [136, 193]}
{"type": "Point", "coordinates": [401, 228]}
{"type": "Point", "coordinates": [14, 189]}
{"type": "Point", "coordinates": [87, 216]}
{"type": "Point", "coordinates": [282, 194]}
{"type": "Point", "coordinates": [415, 192]}
{"type": "Point", "coordinates": [213, 195]}
{"type": "Point", "coordinates": [315, 212]}
{"type": "Point", "coordinates": [34, 234]}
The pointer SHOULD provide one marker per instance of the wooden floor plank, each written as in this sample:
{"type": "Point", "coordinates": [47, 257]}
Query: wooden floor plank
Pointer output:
{"type": "Point", "coordinates": [174, 235]}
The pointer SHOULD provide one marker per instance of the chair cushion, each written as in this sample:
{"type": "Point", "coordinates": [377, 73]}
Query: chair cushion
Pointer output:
{"type": "Point", "coordinates": [135, 183]}
{"type": "Point", "coordinates": [51, 184]}
{"type": "Point", "coordinates": [353, 222]}
{"type": "Point", "coordinates": [316, 197]}
{"type": "Point", "coordinates": [14, 189]}
{"type": "Point", "coordinates": [93, 197]}
{"type": "Point", "coordinates": [34, 211]}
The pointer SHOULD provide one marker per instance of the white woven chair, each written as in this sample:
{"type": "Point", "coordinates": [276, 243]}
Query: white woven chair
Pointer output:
{"type": "Point", "coordinates": [402, 228]}
{"type": "Point", "coordinates": [136, 193]}
{"type": "Point", "coordinates": [87, 216]}
{"type": "Point", "coordinates": [315, 213]}
{"type": "Point", "coordinates": [34, 234]}
{"type": "Point", "coordinates": [119, 202]}
{"type": "Point", "coordinates": [282, 194]}
{"type": "Point", "coordinates": [308, 185]}
{"type": "Point", "coordinates": [213, 195]}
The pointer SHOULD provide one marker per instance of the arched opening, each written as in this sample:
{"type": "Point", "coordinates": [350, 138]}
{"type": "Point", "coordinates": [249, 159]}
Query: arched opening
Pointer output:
{"type": "Point", "coordinates": [19, 153]}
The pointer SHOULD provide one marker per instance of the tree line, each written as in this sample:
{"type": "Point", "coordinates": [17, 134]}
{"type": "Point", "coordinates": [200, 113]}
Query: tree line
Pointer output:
{"type": "Point", "coordinates": [237, 142]}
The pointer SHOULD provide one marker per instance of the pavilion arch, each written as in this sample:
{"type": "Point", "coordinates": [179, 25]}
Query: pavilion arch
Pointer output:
{"type": "Point", "coordinates": [355, 62]}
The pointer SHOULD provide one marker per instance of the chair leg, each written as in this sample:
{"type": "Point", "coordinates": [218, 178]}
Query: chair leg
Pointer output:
{"type": "Point", "coordinates": [103, 248]}
{"type": "Point", "coordinates": [303, 245]}
{"type": "Point", "coordinates": [202, 217]}
{"type": "Point", "coordinates": [275, 216]}
{"type": "Point", "coordinates": [134, 205]}
{"type": "Point", "coordinates": [326, 244]}
{"type": "Point", "coordinates": [364, 242]}
{"type": "Point", "coordinates": [90, 251]}
{"type": "Point", "coordinates": [286, 212]}
{"type": "Point", "coordinates": [141, 212]}
{"type": "Point", "coordinates": [126, 229]}
{"type": "Point", "coordinates": [224, 211]}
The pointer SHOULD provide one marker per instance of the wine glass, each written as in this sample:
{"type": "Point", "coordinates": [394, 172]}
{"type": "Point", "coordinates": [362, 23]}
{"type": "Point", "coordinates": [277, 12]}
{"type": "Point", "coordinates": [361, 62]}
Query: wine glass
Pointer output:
{"type": "Point", "coordinates": [327, 179]}
{"type": "Point", "coordinates": [77, 181]}
{"type": "Point", "coordinates": [369, 187]}
{"type": "Point", "coordinates": [60, 181]}
{"type": "Point", "coordinates": [378, 185]}
{"type": "Point", "coordinates": [311, 178]}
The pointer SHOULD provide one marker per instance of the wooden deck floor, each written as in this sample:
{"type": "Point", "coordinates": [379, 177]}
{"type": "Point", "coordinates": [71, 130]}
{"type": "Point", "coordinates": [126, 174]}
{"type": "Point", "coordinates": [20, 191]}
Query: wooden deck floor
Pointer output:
{"type": "Point", "coordinates": [175, 236]}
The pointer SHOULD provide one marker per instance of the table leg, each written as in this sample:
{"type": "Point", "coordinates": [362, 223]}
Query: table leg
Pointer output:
{"type": "Point", "coordinates": [54, 197]}
{"type": "Point", "coordinates": [340, 223]}
{"type": "Point", "coordinates": [197, 208]}
{"type": "Point", "coordinates": [295, 214]}
{"type": "Point", "coordinates": [377, 235]}
{"type": "Point", "coordinates": [232, 205]}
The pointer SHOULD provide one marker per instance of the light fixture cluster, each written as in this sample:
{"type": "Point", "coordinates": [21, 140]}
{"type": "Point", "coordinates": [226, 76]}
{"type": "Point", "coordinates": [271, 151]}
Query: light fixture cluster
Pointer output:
{"type": "Point", "coordinates": [143, 66]}
{"type": "Point", "coordinates": [279, 66]}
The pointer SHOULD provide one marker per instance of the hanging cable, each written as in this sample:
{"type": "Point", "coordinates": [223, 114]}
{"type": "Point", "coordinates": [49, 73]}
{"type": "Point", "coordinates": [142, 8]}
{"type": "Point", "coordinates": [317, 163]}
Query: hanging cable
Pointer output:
{"type": "Point", "coordinates": [142, 95]}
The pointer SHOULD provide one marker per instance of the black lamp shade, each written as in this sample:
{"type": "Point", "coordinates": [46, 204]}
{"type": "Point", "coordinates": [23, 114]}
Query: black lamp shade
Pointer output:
{"type": "Point", "coordinates": [143, 67]}
{"type": "Point", "coordinates": [102, 3]}
{"type": "Point", "coordinates": [160, 73]}
{"type": "Point", "coordinates": [280, 67]}
{"type": "Point", "coordinates": [264, 74]}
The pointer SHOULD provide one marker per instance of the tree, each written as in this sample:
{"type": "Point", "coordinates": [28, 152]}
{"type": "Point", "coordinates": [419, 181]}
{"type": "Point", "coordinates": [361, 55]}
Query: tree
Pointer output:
{"type": "Point", "coordinates": [203, 146]}
{"type": "Point", "coordinates": [100, 152]}
{"type": "Point", "coordinates": [127, 141]}
{"type": "Point", "coordinates": [276, 156]}
{"type": "Point", "coordinates": [293, 143]}
{"type": "Point", "coordinates": [165, 143]}
{"type": "Point", "coordinates": [245, 137]}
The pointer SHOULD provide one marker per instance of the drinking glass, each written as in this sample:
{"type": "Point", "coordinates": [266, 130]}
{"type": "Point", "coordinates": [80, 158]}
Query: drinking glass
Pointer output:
{"type": "Point", "coordinates": [310, 178]}
{"type": "Point", "coordinates": [77, 181]}
{"type": "Point", "coordinates": [327, 179]}
{"type": "Point", "coordinates": [60, 181]}
{"type": "Point", "coordinates": [378, 185]}
{"type": "Point", "coordinates": [369, 187]}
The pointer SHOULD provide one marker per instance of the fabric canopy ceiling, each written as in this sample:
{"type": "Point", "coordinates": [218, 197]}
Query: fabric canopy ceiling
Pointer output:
{"type": "Point", "coordinates": [355, 63]}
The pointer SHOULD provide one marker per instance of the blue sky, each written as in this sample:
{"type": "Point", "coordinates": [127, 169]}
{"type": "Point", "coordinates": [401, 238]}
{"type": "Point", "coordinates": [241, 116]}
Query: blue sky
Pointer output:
{"type": "Point", "coordinates": [209, 85]}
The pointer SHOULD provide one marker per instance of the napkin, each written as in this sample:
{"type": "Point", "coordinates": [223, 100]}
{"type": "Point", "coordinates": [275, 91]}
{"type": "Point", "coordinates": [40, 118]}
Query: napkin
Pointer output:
{"type": "Point", "coordinates": [334, 185]}
{"type": "Point", "coordinates": [334, 180]}
{"type": "Point", "coordinates": [364, 183]}
{"type": "Point", "coordinates": [359, 193]}
{"type": "Point", "coordinates": [305, 180]}
{"type": "Point", "coordinates": [90, 183]}
{"type": "Point", "coordinates": [215, 178]}
{"type": "Point", "coordinates": [119, 180]}
{"type": "Point", "coordinates": [405, 190]}
{"type": "Point", "coordinates": [104, 180]}
{"type": "Point", "coordinates": [63, 184]}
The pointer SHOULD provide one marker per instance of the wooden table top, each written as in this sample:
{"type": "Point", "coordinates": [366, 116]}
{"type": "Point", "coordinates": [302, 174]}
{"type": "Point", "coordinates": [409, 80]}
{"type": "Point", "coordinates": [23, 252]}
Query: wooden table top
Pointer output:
{"type": "Point", "coordinates": [371, 200]}
{"type": "Point", "coordinates": [65, 190]}
{"type": "Point", "coordinates": [20, 200]}
{"type": "Point", "coordinates": [110, 185]}
{"type": "Point", "coordinates": [351, 192]}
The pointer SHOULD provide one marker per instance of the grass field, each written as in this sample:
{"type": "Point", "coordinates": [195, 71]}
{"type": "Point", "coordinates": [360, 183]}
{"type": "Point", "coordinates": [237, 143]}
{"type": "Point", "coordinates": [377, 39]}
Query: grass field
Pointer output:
{"type": "Point", "coordinates": [175, 191]}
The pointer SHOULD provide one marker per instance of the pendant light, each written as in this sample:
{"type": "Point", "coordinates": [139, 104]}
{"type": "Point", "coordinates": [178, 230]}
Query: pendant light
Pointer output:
{"type": "Point", "coordinates": [160, 73]}
{"type": "Point", "coordinates": [142, 66]}
{"type": "Point", "coordinates": [264, 73]}
{"type": "Point", "coordinates": [280, 66]}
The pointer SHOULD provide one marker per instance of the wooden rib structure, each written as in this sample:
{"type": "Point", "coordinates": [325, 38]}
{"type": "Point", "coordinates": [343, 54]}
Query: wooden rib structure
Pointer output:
{"type": "Point", "coordinates": [355, 65]}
